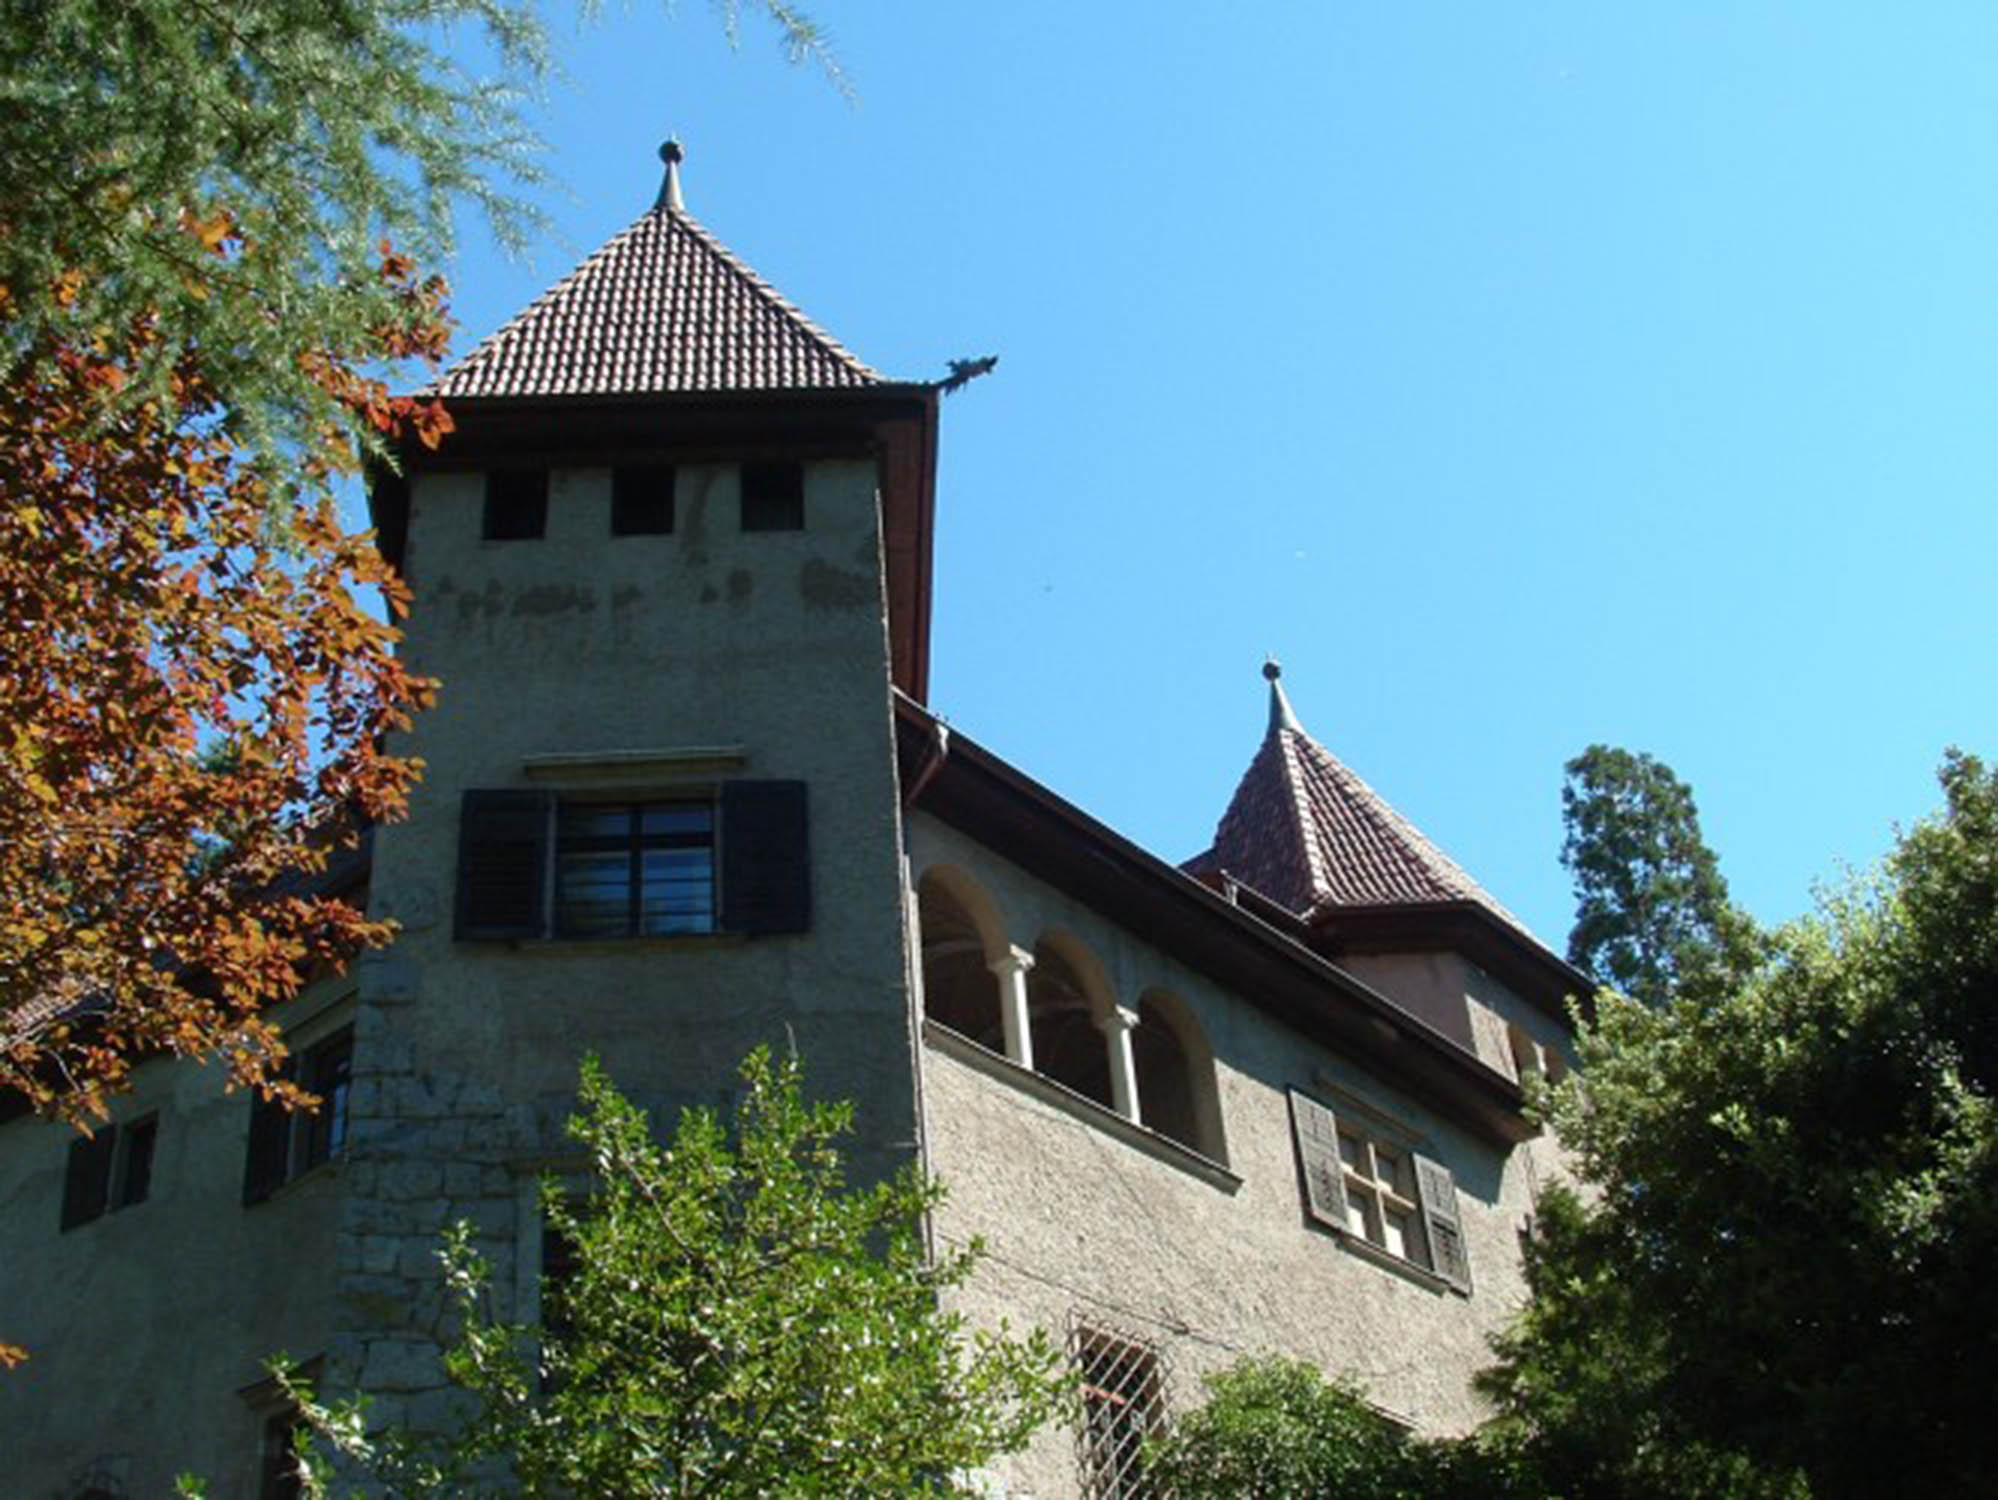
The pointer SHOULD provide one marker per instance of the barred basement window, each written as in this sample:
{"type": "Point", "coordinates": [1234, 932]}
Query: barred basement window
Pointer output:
{"type": "Point", "coordinates": [1123, 1404]}
{"type": "Point", "coordinates": [1379, 1191]}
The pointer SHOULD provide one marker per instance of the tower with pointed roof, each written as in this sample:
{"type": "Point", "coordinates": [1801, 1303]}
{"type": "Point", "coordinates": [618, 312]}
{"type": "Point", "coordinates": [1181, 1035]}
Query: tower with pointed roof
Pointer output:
{"type": "Point", "coordinates": [670, 566]}
{"type": "Point", "coordinates": [1304, 832]}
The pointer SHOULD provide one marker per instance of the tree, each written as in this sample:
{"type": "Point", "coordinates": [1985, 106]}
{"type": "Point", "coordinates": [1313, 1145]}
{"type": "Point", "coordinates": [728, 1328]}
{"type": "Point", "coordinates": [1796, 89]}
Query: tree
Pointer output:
{"type": "Point", "coordinates": [1652, 911]}
{"type": "Point", "coordinates": [199, 316]}
{"type": "Point", "coordinates": [318, 130]}
{"type": "Point", "coordinates": [194, 710]}
{"type": "Point", "coordinates": [739, 1322]}
{"type": "Point", "coordinates": [1273, 1428]}
{"type": "Point", "coordinates": [1785, 1263]}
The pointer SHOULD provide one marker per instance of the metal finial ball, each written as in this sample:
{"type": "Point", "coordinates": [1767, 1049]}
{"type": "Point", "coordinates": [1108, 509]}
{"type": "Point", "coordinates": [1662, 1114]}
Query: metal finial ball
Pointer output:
{"type": "Point", "coordinates": [1272, 669]}
{"type": "Point", "coordinates": [671, 153]}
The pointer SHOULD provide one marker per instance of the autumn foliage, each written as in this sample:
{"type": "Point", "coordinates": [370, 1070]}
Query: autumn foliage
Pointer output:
{"type": "Point", "coordinates": [195, 689]}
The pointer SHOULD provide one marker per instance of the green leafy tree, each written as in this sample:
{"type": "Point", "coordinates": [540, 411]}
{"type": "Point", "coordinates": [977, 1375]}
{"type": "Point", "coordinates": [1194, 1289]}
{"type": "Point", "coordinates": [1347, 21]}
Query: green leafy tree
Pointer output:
{"type": "Point", "coordinates": [1652, 911]}
{"type": "Point", "coordinates": [1784, 1268]}
{"type": "Point", "coordinates": [740, 1321]}
{"type": "Point", "coordinates": [1275, 1428]}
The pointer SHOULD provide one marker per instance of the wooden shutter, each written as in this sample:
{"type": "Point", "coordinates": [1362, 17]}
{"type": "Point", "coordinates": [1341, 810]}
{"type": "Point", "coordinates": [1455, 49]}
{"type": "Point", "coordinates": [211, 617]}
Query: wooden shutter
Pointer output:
{"type": "Point", "coordinates": [766, 867]}
{"type": "Point", "coordinates": [1317, 1134]}
{"type": "Point", "coordinates": [503, 864]}
{"type": "Point", "coordinates": [86, 1183]}
{"type": "Point", "coordinates": [268, 1160]}
{"type": "Point", "coordinates": [1441, 1223]}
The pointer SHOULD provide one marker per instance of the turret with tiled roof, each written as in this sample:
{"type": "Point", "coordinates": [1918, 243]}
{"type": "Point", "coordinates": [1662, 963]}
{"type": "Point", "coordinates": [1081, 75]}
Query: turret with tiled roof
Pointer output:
{"type": "Point", "coordinates": [663, 308]}
{"type": "Point", "coordinates": [663, 347]}
{"type": "Point", "coordinates": [1307, 833]}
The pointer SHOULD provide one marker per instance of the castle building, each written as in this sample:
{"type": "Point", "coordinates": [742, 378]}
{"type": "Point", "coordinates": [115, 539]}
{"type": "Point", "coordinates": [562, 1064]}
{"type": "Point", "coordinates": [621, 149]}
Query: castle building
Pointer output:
{"type": "Point", "coordinates": [686, 793]}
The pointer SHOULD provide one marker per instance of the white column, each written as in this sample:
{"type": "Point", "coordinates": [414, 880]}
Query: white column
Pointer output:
{"type": "Point", "coordinates": [1116, 1027]}
{"type": "Point", "coordinates": [1011, 967]}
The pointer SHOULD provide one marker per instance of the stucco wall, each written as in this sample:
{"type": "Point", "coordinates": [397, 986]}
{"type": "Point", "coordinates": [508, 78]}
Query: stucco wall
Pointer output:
{"type": "Point", "coordinates": [1466, 1004]}
{"type": "Point", "coordinates": [145, 1324]}
{"type": "Point", "coordinates": [773, 643]}
{"type": "Point", "coordinates": [1082, 1221]}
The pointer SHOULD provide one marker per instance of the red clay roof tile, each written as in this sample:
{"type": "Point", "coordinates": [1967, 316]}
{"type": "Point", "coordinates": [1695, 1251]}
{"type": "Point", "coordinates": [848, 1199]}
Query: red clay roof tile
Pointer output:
{"type": "Point", "coordinates": [1306, 832]}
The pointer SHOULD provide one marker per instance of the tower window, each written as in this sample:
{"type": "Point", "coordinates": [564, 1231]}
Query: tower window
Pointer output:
{"type": "Point", "coordinates": [773, 497]}
{"type": "Point", "coordinates": [516, 505]}
{"type": "Point", "coordinates": [643, 869]}
{"type": "Point", "coordinates": [642, 500]}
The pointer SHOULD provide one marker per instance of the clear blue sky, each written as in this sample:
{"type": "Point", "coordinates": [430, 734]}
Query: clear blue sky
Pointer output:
{"type": "Point", "coordinates": [1522, 375]}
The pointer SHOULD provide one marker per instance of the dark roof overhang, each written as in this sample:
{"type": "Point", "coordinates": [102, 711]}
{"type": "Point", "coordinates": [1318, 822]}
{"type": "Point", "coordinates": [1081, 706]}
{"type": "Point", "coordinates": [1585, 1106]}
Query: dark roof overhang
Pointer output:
{"type": "Point", "coordinates": [893, 424]}
{"type": "Point", "coordinates": [1258, 951]}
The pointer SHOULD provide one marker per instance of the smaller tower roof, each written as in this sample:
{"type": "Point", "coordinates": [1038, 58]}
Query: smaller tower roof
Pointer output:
{"type": "Point", "coordinates": [1305, 831]}
{"type": "Point", "coordinates": [663, 308]}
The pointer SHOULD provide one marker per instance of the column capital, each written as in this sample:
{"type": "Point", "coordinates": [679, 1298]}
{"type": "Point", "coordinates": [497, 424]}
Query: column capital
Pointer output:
{"type": "Point", "coordinates": [1015, 960]}
{"type": "Point", "coordinates": [1117, 1018]}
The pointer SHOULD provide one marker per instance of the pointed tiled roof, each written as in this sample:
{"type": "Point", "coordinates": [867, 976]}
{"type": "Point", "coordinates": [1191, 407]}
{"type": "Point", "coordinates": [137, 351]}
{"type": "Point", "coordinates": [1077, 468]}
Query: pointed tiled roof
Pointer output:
{"type": "Point", "coordinates": [662, 309]}
{"type": "Point", "coordinates": [1306, 832]}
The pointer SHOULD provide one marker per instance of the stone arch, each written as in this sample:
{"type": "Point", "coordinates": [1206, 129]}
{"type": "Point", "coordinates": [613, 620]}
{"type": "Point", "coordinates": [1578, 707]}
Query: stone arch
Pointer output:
{"type": "Point", "coordinates": [962, 935]}
{"type": "Point", "coordinates": [1177, 1096]}
{"type": "Point", "coordinates": [1068, 994]}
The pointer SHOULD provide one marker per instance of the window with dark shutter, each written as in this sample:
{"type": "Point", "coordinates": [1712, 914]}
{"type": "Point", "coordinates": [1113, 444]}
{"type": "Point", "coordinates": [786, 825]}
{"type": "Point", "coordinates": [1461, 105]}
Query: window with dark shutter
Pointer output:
{"type": "Point", "coordinates": [642, 500]}
{"type": "Point", "coordinates": [1316, 1131]}
{"type": "Point", "coordinates": [503, 864]}
{"type": "Point", "coordinates": [1368, 1183]}
{"type": "Point", "coordinates": [766, 858]}
{"type": "Point", "coordinates": [516, 505]}
{"type": "Point", "coordinates": [773, 497]}
{"type": "Point", "coordinates": [1440, 1221]}
{"type": "Point", "coordinates": [86, 1183]}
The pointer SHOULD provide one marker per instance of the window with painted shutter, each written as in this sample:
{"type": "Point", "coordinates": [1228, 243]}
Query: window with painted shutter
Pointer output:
{"type": "Point", "coordinates": [503, 864]}
{"type": "Point", "coordinates": [86, 1183]}
{"type": "Point", "coordinates": [1317, 1133]}
{"type": "Point", "coordinates": [1441, 1223]}
{"type": "Point", "coordinates": [766, 869]}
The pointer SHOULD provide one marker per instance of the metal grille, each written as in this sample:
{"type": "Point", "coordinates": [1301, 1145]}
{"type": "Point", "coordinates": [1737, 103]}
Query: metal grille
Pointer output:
{"type": "Point", "coordinates": [1123, 1403]}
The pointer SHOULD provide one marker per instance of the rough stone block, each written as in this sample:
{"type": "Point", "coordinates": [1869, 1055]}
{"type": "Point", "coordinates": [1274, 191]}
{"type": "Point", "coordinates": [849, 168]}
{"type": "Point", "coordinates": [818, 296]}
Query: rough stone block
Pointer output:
{"type": "Point", "coordinates": [405, 1181]}
{"type": "Point", "coordinates": [401, 1365]}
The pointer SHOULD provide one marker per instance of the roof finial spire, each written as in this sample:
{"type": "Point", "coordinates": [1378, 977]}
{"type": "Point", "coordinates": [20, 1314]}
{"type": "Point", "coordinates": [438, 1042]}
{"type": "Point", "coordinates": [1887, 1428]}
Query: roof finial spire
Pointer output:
{"type": "Point", "coordinates": [1280, 715]}
{"type": "Point", "coordinates": [669, 189]}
